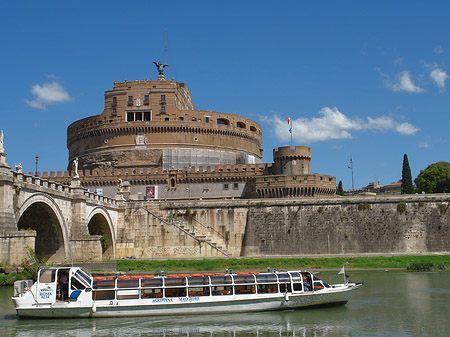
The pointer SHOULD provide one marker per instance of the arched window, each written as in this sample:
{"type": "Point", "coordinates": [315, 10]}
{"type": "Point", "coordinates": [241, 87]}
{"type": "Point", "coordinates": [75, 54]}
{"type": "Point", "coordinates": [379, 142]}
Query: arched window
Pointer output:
{"type": "Point", "coordinates": [223, 121]}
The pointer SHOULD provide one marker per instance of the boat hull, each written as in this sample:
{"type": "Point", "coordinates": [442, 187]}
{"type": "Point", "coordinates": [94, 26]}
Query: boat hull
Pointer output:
{"type": "Point", "coordinates": [187, 305]}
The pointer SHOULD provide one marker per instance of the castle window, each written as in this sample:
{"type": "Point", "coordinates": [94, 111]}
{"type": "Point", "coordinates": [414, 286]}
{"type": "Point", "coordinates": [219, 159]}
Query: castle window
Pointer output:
{"type": "Point", "coordinates": [166, 119]}
{"type": "Point", "coordinates": [139, 116]}
{"type": "Point", "coordinates": [163, 98]}
{"type": "Point", "coordinates": [225, 186]}
{"type": "Point", "coordinates": [235, 186]}
{"type": "Point", "coordinates": [181, 118]}
{"type": "Point", "coordinates": [147, 116]}
{"type": "Point", "coordinates": [163, 109]}
{"type": "Point", "coordinates": [114, 111]}
{"type": "Point", "coordinates": [130, 116]}
{"type": "Point", "coordinates": [223, 121]}
{"type": "Point", "coordinates": [130, 100]}
{"type": "Point", "coordinates": [240, 125]}
{"type": "Point", "coordinates": [206, 119]}
{"type": "Point", "coordinates": [114, 99]}
{"type": "Point", "coordinates": [146, 98]}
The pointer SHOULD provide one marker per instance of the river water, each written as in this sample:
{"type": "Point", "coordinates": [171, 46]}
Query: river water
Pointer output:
{"type": "Point", "coordinates": [390, 303]}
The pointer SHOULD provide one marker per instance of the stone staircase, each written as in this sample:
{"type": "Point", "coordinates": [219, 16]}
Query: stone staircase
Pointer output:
{"type": "Point", "coordinates": [199, 233]}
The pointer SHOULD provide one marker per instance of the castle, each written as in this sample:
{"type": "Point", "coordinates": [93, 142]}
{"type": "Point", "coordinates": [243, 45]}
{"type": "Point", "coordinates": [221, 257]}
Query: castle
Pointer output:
{"type": "Point", "coordinates": [150, 142]}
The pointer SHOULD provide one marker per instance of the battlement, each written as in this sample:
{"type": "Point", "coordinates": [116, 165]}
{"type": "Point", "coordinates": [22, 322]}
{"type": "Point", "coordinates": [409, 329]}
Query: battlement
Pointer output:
{"type": "Point", "coordinates": [36, 182]}
{"type": "Point", "coordinates": [288, 153]}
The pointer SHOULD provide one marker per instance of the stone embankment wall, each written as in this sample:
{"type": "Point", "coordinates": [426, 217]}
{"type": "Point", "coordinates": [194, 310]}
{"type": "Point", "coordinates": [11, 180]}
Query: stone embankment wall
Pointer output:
{"type": "Point", "coordinates": [180, 230]}
{"type": "Point", "coordinates": [308, 226]}
{"type": "Point", "coordinates": [357, 225]}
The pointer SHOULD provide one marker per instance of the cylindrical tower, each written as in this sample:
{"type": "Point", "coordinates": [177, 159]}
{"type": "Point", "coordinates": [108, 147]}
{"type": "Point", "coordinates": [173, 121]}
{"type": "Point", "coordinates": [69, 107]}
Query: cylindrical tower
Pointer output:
{"type": "Point", "coordinates": [292, 161]}
{"type": "Point", "coordinates": [155, 124]}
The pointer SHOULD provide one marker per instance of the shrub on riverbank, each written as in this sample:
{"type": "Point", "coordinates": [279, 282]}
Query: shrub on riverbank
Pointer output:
{"type": "Point", "coordinates": [261, 264]}
{"type": "Point", "coordinates": [425, 266]}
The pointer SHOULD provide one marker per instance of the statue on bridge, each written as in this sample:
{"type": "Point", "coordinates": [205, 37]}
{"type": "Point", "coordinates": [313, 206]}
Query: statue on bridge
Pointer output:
{"type": "Point", "coordinates": [75, 164]}
{"type": "Point", "coordinates": [18, 167]}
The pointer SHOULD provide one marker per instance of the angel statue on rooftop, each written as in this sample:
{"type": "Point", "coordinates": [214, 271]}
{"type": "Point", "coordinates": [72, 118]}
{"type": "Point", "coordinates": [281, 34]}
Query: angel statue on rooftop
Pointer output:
{"type": "Point", "coordinates": [160, 66]}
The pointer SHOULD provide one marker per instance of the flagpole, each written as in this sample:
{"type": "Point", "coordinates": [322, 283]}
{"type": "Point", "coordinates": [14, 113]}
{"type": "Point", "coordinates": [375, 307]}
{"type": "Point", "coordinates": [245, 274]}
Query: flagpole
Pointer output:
{"type": "Point", "coordinates": [292, 129]}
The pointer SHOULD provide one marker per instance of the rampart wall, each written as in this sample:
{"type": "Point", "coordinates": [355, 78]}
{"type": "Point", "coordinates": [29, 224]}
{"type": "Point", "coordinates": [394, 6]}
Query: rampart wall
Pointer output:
{"type": "Point", "coordinates": [364, 225]}
{"type": "Point", "coordinates": [310, 226]}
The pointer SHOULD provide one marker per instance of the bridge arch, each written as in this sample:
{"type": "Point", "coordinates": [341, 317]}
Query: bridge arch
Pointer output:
{"type": "Point", "coordinates": [41, 213]}
{"type": "Point", "coordinates": [99, 222]}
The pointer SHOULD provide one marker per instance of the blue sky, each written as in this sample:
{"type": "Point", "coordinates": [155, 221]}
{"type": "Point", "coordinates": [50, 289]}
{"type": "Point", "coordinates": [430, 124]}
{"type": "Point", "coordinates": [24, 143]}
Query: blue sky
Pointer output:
{"type": "Point", "coordinates": [359, 78]}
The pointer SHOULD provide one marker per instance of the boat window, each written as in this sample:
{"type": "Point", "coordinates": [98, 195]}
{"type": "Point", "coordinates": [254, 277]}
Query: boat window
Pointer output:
{"type": "Point", "coordinates": [221, 279]}
{"type": "Point", "coordinates": [285, 287]}
{"type": "Point", "coordinates": [318, 286]}
{"type": "Point", "coordinates": [244, 289]}
{"type": "Point", "coordinates": [75, 284]}
{"type": "Point", "coordinates": [296, 277]}
{"type": "Point", "coordinates": [175, 292]}
{"type": "Point", "coordinates": [47, 275]}
{"type": "Point", "coordinates": [284, 278]}
{"type": "Point", "coordinates": [176, 281]}
{"type": "Point", "coordinates": [267, 288]}
{"type": "Point", "coordinates": [157, 282]}
{"type": "Point", "coordinates": [83, 275]}
{"type": "Point", "coordinates": [244, 279]}
{"type": "Point", "coordinates": [103, 295]}
{"type": "Point", "coordinates": [152, 293]}
{"type": "Point", "coordinates": [298, 287]}
{"type": "Point", "coordinates": [222, 290]}
{"type": "Point", "coordinates": [133, 283]}
{"type": "Point", "coordinates": [103, 284]}
{"type": "Point", "coordinates": [198, 291]}
{"type": "Point", "coordinates": [306, 280]}
{"type": "Point", "coordinates": [131, 294]}
{"type": "Point", "coordinates": [266, 278]}
{"type": "Point", "coordinates": [198, 280]}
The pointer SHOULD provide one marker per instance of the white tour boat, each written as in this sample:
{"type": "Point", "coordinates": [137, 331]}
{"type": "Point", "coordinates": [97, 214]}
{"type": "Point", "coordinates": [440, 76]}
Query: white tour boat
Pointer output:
{"type": "Point", "coordinates": [73, 292]}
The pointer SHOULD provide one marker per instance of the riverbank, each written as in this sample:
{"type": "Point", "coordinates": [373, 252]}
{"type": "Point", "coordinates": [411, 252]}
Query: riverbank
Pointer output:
{"type": "Point", "coordinates": [133, 266]}
{"type": "Point", "coordinates": [281, 263]}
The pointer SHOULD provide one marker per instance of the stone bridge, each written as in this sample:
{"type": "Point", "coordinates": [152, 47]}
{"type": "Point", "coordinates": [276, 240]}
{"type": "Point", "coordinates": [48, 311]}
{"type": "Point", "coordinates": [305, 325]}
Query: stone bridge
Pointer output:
{"type": "Point", "coordinates": [60, 222]}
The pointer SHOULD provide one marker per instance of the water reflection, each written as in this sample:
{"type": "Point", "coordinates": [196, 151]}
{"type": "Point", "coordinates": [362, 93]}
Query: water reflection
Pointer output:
{"type": "Point", "coordinates": [389, 304]}
{"type": "Point", "coordinates": [290, 323]}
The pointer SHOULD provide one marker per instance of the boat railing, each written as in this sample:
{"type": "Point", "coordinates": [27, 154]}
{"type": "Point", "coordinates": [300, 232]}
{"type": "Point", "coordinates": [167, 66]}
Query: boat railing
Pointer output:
{"type": "Point", "coordinates": [183, 285]}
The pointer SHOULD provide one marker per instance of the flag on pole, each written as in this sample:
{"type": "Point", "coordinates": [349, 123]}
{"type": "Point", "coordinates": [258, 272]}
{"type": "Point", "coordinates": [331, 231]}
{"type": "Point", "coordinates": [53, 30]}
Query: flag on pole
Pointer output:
{"type": "Point", "coordinates": [289, 123]}
{"type": "Point", "coordinates": [342, 271]}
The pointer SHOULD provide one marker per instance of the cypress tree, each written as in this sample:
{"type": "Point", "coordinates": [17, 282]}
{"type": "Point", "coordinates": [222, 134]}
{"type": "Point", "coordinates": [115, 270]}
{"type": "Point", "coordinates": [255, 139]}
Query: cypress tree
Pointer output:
{"type": "Point", "coordinates": [340, 190]}
{"type": "Point", "coordinates": [407, 186]}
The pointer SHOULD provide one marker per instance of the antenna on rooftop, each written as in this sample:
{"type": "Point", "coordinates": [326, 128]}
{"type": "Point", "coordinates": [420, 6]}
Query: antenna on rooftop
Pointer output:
{"type": "Point", "coordinates": [351, 168]}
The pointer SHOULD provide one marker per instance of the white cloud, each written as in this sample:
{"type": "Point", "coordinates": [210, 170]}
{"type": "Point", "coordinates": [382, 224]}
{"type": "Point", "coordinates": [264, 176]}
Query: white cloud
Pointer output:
{"type": "Point", "coordinates": [405, 128]}
{"type": "Point", "coordinates": [403, 82]}
{"type": "Point", "coordinates": [46, 94]}
{"type": "Point", "coordinates": [438, 50]}
{"type": "Point", "coordinates": [425, 145]}
{"type": "Point", "coordinates": [439, 77]}
{"type": "Point", "coordinates": [333, 124]}
{"type": "Point", "coordinates": [399, 61]}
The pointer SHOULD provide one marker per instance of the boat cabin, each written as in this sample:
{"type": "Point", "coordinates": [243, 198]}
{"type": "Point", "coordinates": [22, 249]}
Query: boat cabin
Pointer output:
{"type": "Point", "coordinates": [67, 283]}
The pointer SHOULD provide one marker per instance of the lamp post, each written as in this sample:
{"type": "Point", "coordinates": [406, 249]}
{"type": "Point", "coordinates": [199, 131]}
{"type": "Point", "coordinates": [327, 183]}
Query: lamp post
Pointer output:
{"type": "Point", "coordinates": [189, 183]}
{"type": "Point", "coordinates": [37, 159]}
{"type": "Point", "coordinates": [351, 168]}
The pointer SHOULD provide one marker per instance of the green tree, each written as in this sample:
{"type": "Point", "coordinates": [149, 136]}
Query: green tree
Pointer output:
{"type": "Point", "coordinates": [434, 179]}
{"type": "Point", "coordinates": [407, 185]}
{"type": "Point", "coordinates": [340, 190]}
